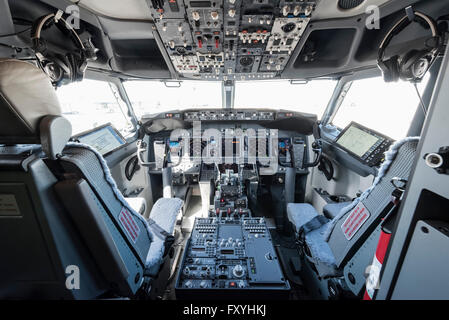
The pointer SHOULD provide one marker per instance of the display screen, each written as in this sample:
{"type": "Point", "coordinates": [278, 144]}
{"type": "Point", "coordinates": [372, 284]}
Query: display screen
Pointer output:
{"type": "Point", "coordinates": [357, 141]}
{"type": "Point", "coordinates": [104, 140]}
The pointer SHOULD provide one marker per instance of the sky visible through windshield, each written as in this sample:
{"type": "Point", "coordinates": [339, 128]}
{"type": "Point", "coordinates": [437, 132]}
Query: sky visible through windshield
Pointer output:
{"type": "Point", "coordinates": [385, 107]}
{"type": "Point", "coordinates": [155, 96]}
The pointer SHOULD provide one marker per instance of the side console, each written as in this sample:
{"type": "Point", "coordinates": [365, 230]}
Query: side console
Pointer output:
{"type": "Point", "coordinates": [230, 257]}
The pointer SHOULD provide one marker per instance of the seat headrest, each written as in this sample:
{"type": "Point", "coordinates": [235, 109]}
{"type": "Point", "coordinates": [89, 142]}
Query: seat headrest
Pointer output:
{"type": "Point", "coordinates": [26, 98]}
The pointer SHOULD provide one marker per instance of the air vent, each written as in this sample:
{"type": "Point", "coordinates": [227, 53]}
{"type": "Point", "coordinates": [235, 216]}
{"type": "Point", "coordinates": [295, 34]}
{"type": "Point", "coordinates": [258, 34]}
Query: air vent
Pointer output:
{"type": "Point", "coordinates": [349, 4]}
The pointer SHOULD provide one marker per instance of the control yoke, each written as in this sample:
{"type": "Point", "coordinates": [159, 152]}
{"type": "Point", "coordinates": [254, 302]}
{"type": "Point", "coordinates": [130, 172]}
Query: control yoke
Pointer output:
{"type": "Point", "coordinates": [317, 146]}
{"type": "Point", "coordinates": [318, 151]}
{"type": "Point", "coordinates": [142, 148]}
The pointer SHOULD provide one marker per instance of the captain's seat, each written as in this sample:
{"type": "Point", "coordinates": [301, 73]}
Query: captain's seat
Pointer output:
{"type": "Point", "coordinates": [343, 240]}
{"type": "Point", "coordinates": [66, 231]}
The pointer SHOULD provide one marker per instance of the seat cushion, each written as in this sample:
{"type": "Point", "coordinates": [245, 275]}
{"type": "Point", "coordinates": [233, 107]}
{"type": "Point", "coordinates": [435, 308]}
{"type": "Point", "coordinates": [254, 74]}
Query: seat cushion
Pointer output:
{"type": "Point", "coordinates": [138, 204]}
{"type": "Point", "coordinates": [304, 217]}
{"type": "Point", "coordinates": [332, 210]}
{"type": "Point", "coordinates": [164, 213]}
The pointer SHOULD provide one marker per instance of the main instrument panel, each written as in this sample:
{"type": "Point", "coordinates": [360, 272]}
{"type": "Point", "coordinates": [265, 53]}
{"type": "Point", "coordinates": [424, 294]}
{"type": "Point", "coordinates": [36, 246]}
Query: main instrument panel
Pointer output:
{"type": "Point", "coordinates": [230, 39]}
{"type": "Point", "coordinates": [287, 150]}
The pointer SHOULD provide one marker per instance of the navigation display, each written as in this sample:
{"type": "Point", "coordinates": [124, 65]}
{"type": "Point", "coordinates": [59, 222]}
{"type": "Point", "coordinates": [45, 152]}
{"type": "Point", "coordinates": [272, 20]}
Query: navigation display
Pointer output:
{"type": "Point", "coordinates": [357, 141]}
{"type": "Point", "coordinates": [104, 139]}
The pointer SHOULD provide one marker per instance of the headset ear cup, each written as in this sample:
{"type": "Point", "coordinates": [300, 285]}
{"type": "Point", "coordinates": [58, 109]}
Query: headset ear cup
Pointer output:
{"type": "Point", "coordinates": [385, 71]}
{"type": "Point", "coordinates": [66, 69]}
{"type": "Point", "coordinates": [76, 67]}
{"type": "Point", "coordinates": [390, 69]}
{"type": "Point", "coordinates": [394, 67]}
{"type": "Point", "coordinates": [53, 69]}
{"type": "Point", "coordinates": [414, 65]}
{"type": "Point", "coordinates": [70, 63]}
{"type": "Point", "coordinates": [405, 67]}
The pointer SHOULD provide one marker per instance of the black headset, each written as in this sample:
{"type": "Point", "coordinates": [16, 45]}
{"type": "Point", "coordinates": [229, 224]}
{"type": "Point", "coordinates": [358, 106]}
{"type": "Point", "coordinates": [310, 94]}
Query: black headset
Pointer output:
{"type": "Point", "coordinates": [61, 68]}
{"type": "Point", "coordinates": [415, 63]}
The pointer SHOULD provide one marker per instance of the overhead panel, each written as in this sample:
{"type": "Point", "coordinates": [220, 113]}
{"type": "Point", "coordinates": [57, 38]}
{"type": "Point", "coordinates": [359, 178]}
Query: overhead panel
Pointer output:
{"type": "Point", "coordinates": [230, 39]}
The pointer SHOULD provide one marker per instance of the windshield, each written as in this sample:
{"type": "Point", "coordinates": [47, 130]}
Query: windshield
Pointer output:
{"type": "Point", "coordinates": [311, 97]}
{"type": "Point", "coordinates": [155, 96]}
{"type": "Point", "coordinates": [90, 103]}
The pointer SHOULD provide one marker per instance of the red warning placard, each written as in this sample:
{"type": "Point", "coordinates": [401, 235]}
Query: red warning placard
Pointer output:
{"type": "Point", "coordinates": [129, 224]}
{"type": "Point", "coordinates": [354, 221]}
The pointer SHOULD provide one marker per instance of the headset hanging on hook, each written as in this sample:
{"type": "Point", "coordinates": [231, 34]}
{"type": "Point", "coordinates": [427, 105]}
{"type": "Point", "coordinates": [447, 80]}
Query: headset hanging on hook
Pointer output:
{"type": "Point", "coordinates": [61, 68]}
{"type": "Point", "coordinates": [415, 63]}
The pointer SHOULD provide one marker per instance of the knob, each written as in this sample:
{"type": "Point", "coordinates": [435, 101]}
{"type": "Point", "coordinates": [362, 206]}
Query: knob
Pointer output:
{"type": "Point", "coordinates": [214, 15]}
{"type": "Point", "coordinates": [241, 284]}
{"type": "Point", "coordinates": [232, 1]}
{"type": "Point", "coordinates": [308, 10]}
{"type": "Point", "coordinates": [231, 13]}
{"type": "Point", "coordinates": [171, 44]}
{"type": "Point", "coordinates": [188, 284]}
{"type": "Point", "coordinates": [285, 10]}
{"type": "Point", "coordinates": [238, 271]}
{"type": "Point", "coordinates": [195, 15]}
{"type": "Point", "coordinates": [186, 271]}
{"type": "Point", "coordinates": [203, 284]}
{"type": "Point", "coordinates": [296, 10]}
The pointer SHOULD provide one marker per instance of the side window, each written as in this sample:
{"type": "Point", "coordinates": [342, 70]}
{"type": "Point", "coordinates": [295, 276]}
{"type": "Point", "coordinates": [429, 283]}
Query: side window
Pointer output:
{"type": "Point", "coordinates": [90, 103]}
{"type": "Point", "coordinates": [385, 107]}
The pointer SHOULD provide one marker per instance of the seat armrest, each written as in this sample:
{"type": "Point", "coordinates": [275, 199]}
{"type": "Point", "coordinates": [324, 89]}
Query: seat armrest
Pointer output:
{"type": "Point", "coordinates": [165, 211]}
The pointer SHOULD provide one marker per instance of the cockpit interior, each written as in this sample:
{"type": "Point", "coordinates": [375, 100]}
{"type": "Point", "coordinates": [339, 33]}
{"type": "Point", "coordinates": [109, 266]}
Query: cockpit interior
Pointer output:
{"type": "Point", "coordinates": [224, 150]}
